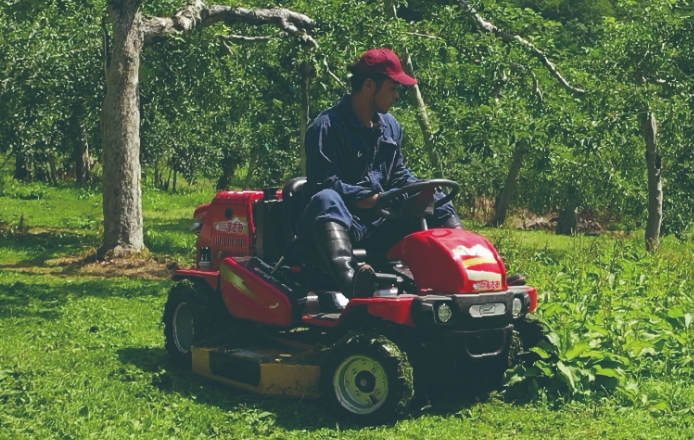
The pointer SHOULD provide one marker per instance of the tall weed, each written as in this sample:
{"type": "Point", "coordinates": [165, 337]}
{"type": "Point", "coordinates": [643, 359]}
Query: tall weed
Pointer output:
{"type": "Point", "coordinates": [619, 318]}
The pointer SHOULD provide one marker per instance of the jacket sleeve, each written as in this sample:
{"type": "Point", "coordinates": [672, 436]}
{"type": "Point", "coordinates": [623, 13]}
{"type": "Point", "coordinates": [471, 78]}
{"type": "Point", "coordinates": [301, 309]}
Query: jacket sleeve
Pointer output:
{"type": "Point", "coordinates": [325, 146]}
{"type": "Point", "coordinates": [400, 175]}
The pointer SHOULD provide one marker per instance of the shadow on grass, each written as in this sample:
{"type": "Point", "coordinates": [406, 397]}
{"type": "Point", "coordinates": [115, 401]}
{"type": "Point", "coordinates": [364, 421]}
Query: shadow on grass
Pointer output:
{"type": "Point", "coordinates": [33, 296]}
{"type": "Point", "coordinates": [180, 225]}
{"type": "Point", "coordinates": [171, 237]}
{"type": "Point", "coordinates": [290, 414]}
{"type": "Point", "coordinates": [43, 246]}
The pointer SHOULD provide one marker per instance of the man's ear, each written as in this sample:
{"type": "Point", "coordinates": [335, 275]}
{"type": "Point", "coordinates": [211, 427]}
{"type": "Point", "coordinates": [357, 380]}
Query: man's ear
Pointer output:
{"type": "Point", "coordinates": [369, 84]}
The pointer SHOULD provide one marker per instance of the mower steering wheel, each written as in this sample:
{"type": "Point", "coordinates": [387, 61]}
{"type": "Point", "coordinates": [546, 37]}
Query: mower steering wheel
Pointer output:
{"type": "Point", "coordinates": [421, 203]}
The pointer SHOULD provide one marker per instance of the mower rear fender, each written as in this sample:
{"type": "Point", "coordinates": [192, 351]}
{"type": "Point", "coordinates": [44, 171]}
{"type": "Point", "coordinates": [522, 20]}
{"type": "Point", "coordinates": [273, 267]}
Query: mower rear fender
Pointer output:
{"type": "Point", "coordinates": [249, 296]}
{"type": "Point", "coordinates": [201, 212]}
{"type": "Point", "coordinates": [210, 277]}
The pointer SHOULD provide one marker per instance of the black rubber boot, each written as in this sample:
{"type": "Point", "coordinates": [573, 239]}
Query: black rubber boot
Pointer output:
{"type": "Point", "coordinates": [453, 222]}
{"type": "Point", "coordinates": [333, 244]}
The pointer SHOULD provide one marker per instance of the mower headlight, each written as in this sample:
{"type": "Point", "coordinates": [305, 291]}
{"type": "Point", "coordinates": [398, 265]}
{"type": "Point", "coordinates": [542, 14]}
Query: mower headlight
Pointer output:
{"type": "Point", "coordinates": [444, 313]}
{"type": "Point", "coordinates": [517, 307]}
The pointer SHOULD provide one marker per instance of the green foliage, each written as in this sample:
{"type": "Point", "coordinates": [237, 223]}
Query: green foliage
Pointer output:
{"type": "Point", "coordinates": [51, 81]}
{"type": "Point", "coordinates": [621, 318]}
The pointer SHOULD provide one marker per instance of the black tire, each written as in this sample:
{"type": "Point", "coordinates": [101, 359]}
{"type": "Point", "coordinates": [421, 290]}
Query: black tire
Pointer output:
{"type": "Point", "coordinates": [188, 319]}
{"type": "Point", "coordinates": [367, 378]}
{"type": "Point", "coordinates": [530, 332]}
{"type": "Point", "coordinates": [495, 372]}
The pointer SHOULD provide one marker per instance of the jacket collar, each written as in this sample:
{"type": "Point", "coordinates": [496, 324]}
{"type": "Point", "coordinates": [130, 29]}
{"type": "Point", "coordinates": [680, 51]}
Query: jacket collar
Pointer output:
{"type": "Point", "coordinates": [345, 107]}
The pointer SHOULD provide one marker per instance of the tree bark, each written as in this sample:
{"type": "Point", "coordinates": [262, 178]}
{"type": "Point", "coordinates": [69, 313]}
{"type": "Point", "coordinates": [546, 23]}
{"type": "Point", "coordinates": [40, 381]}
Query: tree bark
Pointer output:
{"type": "Point", "coordinates": [21, 168]}
{"type": "Point", "coordinates": [305, 108]}
{"type": "Point", "coordinates": [567, 222]}
{"type": "Point", "coordinates": [81, 156]}
{"type": "Point", "coordinates": [251, 169]}
{"type": "Point", "coordinates": [418, 101]}
{"type": "Point", "coordinates": [120, 125]}
{"type": "Point", "coordinates": [654, 162]}
{"type": "Point", "coordinates": [509, 184]}
{"type": "Point", "coordinates": [53, 170]}
{"type": "Point", "coordinates": [198, 14]}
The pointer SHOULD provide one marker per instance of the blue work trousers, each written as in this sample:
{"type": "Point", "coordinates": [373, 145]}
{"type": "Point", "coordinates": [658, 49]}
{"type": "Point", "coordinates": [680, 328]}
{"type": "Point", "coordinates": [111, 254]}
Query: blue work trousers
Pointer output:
{"type": "Point", "coordinates": [366, 227]}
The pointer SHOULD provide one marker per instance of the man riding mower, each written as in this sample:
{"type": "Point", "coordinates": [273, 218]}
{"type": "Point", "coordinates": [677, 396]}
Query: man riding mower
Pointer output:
{"type": "Point", "coordinates": [357, 284]}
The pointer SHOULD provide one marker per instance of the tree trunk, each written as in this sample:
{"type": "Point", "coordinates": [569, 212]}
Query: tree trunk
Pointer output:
{"type": "Point", "coordinates": [654, 162]}
{"type": "Point", "coordinates": [251, 169]}
{"type": "Point", "coordinates": [418, 101]}
{"type": "Point", "coordinates": [222, 182]}
{"type": "Point", "coordinates": [173, 187]}
{"type": "Point", "coordinates": [81, 154]}
{"type": "Point", "coordinates": [567, 222]}
{"type": "Point", "coordinates": [229, 164]}
{"type": "Point", "coordinates": [305, 108]}
{"type": "Point", "coordinates": [21, 168]}
{"type": "Point", "coordinates": [53, 170]}
{"type": "Point", "coordinates": [120, 125]}
{"type": "Point", "coordinates": [167, 184]}
{"type": "Point", "coordinates": [509, 185]}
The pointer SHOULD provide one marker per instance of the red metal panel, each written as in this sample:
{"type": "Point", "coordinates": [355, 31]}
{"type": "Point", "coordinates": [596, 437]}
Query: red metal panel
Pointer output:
{"type": "Point", "coordinates": [532, 293]}
{"type": "Point", "coordinates": [201, 212]}
{"type": "Point", "coordinates": [398, 310]}
{"type": "Point", "coordinates": [248, 296]}
{"type": "Point", "coordinates": [211, 277]}
{"type": "Point", "coordinates": [451, 261]}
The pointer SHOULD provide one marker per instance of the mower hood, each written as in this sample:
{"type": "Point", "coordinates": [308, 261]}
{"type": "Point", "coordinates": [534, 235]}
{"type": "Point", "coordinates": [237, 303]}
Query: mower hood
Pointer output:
{"type": "Point", "coordinates": [451, 261]}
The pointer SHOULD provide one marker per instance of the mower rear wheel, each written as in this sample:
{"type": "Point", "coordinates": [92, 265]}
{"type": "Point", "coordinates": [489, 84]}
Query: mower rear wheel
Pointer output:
{"type": "Point", "coordinates": [188, 320]}
{"type": "Point", "coordinates": [367, 378]}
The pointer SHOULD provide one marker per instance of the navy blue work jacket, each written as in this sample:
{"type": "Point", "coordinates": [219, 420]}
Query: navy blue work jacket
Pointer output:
{"type": "Point", "coordinates": [356, 161]}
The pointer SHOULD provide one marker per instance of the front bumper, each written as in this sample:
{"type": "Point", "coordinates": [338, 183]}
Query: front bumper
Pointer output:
{"type": "Point", "coordinates": [471, 312]}
{"type": "Point", "coordinates": [471, 344]}
{"type": "Point", "coordinates": [480, 326]}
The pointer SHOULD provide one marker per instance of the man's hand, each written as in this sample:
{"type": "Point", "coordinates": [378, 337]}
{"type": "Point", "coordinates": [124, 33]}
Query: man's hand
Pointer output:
{"type": "Point", "coordinates": [368, 202]}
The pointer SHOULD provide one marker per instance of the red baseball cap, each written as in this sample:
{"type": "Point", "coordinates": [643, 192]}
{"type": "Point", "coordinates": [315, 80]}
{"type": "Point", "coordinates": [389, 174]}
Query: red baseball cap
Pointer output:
{"type": "Point", "coordinates": [386, 62]}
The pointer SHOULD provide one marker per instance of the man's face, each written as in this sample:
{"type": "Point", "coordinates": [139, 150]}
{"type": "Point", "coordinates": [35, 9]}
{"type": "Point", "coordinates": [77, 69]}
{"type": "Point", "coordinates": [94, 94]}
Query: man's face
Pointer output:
{"type": "Point", "coordinates": [386, 95]}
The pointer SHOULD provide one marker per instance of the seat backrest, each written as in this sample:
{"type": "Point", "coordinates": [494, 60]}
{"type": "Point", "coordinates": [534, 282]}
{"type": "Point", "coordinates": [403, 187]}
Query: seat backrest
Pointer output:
{"type": "Point", "coordinates": [293, 205]}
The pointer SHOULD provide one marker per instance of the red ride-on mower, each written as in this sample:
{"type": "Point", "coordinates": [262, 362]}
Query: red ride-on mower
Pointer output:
{"type": "Point", "coordinates": [260, 312]}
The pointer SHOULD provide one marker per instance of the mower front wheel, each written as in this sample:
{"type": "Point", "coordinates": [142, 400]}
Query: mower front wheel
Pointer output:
{"type": "Point", "coordinates": [187, 320]}
{"type": "Point", "coordinates": [367, 378]}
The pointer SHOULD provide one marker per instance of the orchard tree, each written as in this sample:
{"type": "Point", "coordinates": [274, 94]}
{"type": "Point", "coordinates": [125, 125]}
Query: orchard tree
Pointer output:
{"type": "Point", "coordinates": [50, 86]}
{"type": "Point", "coordinates": [120, 117]}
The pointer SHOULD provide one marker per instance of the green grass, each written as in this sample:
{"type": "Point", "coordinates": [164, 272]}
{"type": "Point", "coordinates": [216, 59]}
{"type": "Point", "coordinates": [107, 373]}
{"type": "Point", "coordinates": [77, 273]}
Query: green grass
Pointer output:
{"type": "Point", "coordinates": [82, 356]}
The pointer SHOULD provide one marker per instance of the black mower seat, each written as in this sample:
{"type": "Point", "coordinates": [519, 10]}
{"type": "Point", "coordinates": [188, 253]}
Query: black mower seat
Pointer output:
{"type": "Point", "coordinates": [293, 204]}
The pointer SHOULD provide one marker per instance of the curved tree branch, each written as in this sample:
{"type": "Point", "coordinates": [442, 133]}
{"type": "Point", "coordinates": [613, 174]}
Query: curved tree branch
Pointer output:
{"type": "Point", "coordinates": [536, 84]}
{"type": "Point", "coordinates": [197, 14]}
{"type": "Point", "coordinates": [508, 37]}
{"type": "Point", "coordinates": [333, 76]}
{"type": "Point", "coordinates": [245, 38]}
